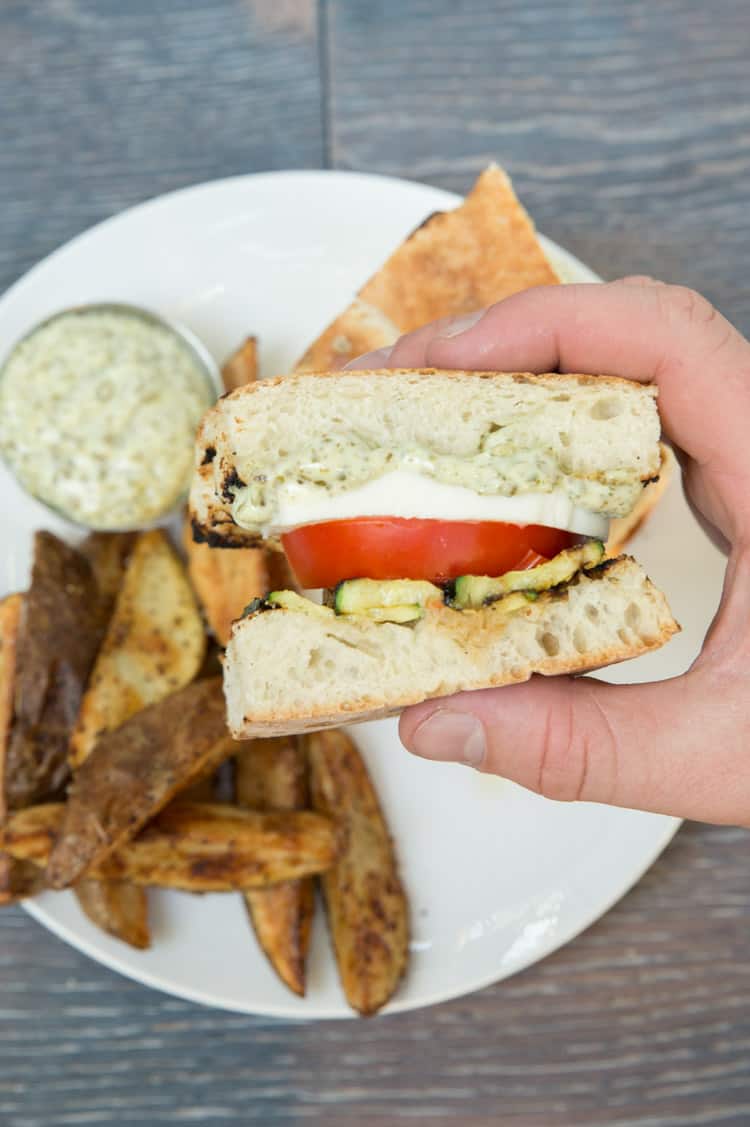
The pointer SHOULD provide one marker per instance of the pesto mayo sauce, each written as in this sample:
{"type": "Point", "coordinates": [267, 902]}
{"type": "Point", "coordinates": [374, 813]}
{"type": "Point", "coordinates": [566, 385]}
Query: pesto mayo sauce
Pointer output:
{"type": "Point", "coordinates": [342, 464]}
{"type": "Point", "coordinates": [98, 413]}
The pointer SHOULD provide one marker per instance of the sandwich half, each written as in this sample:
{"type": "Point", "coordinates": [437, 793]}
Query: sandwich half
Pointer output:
{"type": "Point", "coordinates": [454, 522]}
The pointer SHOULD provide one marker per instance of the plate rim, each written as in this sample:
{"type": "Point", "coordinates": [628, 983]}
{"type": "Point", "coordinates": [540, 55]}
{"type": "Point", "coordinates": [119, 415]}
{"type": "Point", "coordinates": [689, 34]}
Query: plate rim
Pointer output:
{"type": "Point", "coordinates": [399, 1004]}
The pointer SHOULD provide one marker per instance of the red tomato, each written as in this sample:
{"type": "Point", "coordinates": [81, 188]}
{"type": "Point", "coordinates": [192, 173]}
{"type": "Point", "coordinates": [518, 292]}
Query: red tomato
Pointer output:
{"type": "Point", "coordinates": [322, 555]}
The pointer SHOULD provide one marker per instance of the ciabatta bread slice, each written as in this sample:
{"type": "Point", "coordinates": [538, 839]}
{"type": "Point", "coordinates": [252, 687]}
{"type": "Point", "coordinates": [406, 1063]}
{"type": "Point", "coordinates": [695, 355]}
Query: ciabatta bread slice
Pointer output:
{"type": "Point", "coordinates": [594, 438]}
{"type": "Point", "coordinates": [287, 671]}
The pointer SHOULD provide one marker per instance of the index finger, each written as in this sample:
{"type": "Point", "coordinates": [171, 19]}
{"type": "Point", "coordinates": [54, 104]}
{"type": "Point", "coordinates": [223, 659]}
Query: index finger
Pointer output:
{"type": "Point", "coordinates": [652, 333]}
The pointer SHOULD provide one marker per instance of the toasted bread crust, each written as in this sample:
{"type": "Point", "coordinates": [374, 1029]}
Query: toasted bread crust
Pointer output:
{"type": "Point", "coordinates": [453, 262]}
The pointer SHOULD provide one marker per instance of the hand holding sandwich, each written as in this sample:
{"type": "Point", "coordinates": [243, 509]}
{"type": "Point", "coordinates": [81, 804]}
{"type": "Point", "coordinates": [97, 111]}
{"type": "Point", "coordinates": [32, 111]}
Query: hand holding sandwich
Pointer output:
{"type": "Point", "coordinates": [678, 746]}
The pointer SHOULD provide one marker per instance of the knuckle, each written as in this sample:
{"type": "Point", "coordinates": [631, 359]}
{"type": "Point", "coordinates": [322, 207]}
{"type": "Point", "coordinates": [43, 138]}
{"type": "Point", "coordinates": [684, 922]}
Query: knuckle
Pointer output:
{"type": "Point", "coordinates": [578, 752]}
{"type": "Point", "coordinates": [680, 303]}
{"type": "Point", "coordinates": [563, 755]}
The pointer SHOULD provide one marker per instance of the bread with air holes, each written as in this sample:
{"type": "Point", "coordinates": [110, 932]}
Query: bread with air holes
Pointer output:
{"type": "Point", "coordinates": [287, 671]}
{"type": "Point", "coordinates": [595, 438]}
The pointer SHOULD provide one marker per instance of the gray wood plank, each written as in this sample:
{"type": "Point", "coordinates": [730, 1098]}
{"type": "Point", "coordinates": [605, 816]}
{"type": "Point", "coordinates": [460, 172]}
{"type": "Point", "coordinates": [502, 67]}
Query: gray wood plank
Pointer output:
{"type": "Point", "coordinates": [625, 126]}
{"type": "Point", "coordinates": [644, 1019]}
{"type": "Point", "coordinates": [104, 104]}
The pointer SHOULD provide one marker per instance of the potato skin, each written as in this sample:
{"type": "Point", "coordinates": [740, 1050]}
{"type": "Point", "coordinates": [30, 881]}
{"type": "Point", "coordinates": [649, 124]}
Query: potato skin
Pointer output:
{"type": "Point", "coordinates": [119, 908]}
{"type": "Point", "coordinates": [196, 847]}
{"type": "Point", "coordinates": [134, 771]}
{"type": "Point", "coordinates": [154, 643]}
{"type": "Point", "coordinates": [272, 775]}
{"type": "Point", "coordinates": [61, 628]}
{"type": "Point", "coordinates": [368, 914]}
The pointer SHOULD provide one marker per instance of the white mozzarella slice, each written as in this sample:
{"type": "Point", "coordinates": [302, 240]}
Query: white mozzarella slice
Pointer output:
{"type": "Point", "coordinates": [412, 495]}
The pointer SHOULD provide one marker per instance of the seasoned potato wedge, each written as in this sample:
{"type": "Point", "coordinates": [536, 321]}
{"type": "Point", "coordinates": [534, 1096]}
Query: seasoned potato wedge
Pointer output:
{"type": "Point", "coordinates": [19, 880]}
{"type": "Point", "coordinates": [117, 907]}
{"type": "Point", "coordinates": [225, 580]}
{"type": "Point", "coordinates": [202, 790]}
{"type": "Point", "coordinates": [108, 554]}
{"type": "Point", "coordinates": [60, 632]}
{"type": "Point", "coordinates": [282, 919]}
{"type": "Point", "coordinates": [10, 617]}
{"type": "Point", "coordinates": [211, 665]}
{"type": "Point", "coordinates": [366, 903]}
{"type": "Point", "coordinates": [10, 620]}
{"type": "Point", "coordinates": [272, 775]}
{"type": "Point", "coordinates": [280, 575]}
{"type": "Point", "coordinates": [133, 772]}
{"type": "Point", "coordinates": [193, 846]}
{"type": "Point", "coordinates": [28, 835]}
{"type": "Point", "coordinates": [242, 366]}
{"type": "Point", "coordinates": [154, 643]}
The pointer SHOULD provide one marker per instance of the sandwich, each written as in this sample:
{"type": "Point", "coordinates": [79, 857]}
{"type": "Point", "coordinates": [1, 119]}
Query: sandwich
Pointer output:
{"type": "Point", "coordinates": [447, 530]}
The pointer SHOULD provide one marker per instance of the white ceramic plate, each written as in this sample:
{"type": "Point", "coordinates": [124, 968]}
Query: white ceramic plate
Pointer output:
{"type": "Point", "coordinates": [497, 878]}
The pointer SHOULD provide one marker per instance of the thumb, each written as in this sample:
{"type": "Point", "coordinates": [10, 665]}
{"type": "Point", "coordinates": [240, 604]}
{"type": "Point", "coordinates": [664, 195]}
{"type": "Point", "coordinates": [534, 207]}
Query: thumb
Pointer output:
{"type": "Point", "coordinates": [649, 747]}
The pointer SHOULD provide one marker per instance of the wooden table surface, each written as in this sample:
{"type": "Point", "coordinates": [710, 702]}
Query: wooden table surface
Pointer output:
{"type": "Point", "coordinates": [627, 129]}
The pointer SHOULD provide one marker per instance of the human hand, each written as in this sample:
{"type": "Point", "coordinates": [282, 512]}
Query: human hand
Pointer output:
{"type": "Point", "coordinates": [679, 746]}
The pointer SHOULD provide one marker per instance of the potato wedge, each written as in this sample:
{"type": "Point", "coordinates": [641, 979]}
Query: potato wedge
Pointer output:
{"type": "Point", "coordinates": [225, 581]}
{"type": "Point", "coordinates": [366, 903]}
{"type": "Point", "coordinates": [19, 880]}
{"type": "Point", "coordinates": [108, 554]}
{"type": "Point", "coordinates": [10, 621]}
{"type": "Point", "coordinates": [202, 790]}
{"type": "Point", "coordinates": [195, 847]}
{"type": "Point", "coordinates": [272, 775]}
{"type": "Point", "coordinates": [60, 632]}
{"type": "Point", "coordinates": [211, 666]}
{"type": "Point", "coordinates": [133, 772]}
{"type": "Point", "coordinates": [117, 907]}
{"type": "Point", "coordinates": [242, 366]}
{"type": "Point", "coordinates": [280, 575]}
{"type": "Point", "coordinates": [282, 919]}
{"type": "Point", "coordinates": [154, 643]}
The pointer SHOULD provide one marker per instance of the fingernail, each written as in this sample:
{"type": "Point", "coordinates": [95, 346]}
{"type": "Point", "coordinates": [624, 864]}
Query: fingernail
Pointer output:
{"type": "Point", "coordinates": [460, 325]}
{"type": "Point", "coordinates": [369, 360]}
{"type": "Point", "coordinates": [456, 737]}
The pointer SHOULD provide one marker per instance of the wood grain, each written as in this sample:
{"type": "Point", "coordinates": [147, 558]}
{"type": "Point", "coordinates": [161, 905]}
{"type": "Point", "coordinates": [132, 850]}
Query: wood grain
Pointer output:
{"type": "Point", "coordinates": [645, 1019]}
{"type": "Point", "coordinates": [627, 129]}
{"type": "Point", "coordinates": [105, 104]}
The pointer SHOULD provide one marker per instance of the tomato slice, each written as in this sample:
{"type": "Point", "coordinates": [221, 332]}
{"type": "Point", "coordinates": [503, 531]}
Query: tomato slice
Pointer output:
{"type": "Point", "coordinates": [322, 555]}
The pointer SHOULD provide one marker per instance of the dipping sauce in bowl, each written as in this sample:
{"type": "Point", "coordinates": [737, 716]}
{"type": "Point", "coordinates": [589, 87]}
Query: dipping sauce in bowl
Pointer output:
{"type": "Point", "coordinates": [98, 412]}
